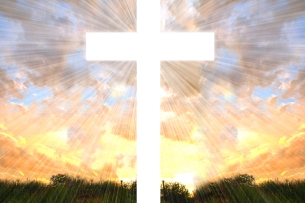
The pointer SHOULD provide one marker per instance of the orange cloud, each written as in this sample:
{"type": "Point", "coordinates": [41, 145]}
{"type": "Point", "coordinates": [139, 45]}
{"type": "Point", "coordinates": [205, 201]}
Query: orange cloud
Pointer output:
{"type": "Point", "coordinates": [43, 160]}
{"type": "Point", "coordinates": [217, 138]}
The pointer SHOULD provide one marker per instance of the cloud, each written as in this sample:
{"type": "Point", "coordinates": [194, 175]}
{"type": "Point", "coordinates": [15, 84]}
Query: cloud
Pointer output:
{"type": "Point", "coordinates": [51, 51]}
{"type": "Point", "coordinates": [125, 160]}
{"type": "Point", "coordinates": [18, 158]}
{"type": "Point", "coordinates": [76, 133]}
{"type": "Point", "coordinates": [181, 77]}
{"type": "Point", "coordinates": [109, 171]}
{"type": "Point", "coordinates": [240, 112]}
{"type": "Point", "coordinates": [255, 31]}
{"type": "Point", "coordinates": [229, 133]}
{"type": "Point", "coordinates": [42, 160]}
{"type": "Point", "coordinates": [254, 51]}
{"type": "Point", "coordinates": [43, 80]}
{"type": "Point", "coordinates": [276, 161]}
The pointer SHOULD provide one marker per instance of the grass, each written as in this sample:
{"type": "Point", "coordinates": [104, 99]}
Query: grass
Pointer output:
{"type": "Point", "coordinates": [239, 189]}
{"type": "Point", "coordinates": [65, 189]}
{"type": "Point", "coordinates": [233, 190]}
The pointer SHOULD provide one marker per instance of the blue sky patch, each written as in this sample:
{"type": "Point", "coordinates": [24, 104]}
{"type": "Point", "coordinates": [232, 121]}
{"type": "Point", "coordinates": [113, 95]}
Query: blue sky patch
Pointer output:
{"type": "Point", "coordinates": [34, 94]}
{"type": "Point", "coordinates": [265, 93]}
{"type": "Point", "coordinates": [89, 93]}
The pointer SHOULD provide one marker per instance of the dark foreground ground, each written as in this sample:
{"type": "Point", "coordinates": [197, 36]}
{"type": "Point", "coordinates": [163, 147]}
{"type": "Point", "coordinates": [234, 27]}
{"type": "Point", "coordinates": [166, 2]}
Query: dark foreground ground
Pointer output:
{"type": "Point", "coordinates": [64, 189]}
{"type": "Point", "coordinates": [239, 189]}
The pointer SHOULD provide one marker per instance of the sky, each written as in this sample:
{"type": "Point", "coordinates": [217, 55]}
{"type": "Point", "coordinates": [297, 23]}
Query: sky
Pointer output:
{"type": "Point", "coordinates": [58, 112]}
{"type": "Point", "coordinates": [241, 113]}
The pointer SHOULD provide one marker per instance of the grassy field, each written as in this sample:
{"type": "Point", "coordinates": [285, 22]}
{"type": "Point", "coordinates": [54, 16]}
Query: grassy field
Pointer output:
{"type": "Point", "coordinates": [65, 189]}
{"type": "Point", "coordinates": [241, 189]}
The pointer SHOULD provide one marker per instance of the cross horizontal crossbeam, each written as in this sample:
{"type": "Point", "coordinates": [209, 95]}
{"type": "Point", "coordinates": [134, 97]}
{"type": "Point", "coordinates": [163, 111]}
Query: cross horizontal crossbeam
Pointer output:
{"type": "Point", "coordinates": [164, 46]}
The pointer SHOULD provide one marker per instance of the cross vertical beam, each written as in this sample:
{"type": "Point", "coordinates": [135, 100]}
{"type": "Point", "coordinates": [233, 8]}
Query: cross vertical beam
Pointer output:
{"type": "Point", "coordinates": [148, 102]}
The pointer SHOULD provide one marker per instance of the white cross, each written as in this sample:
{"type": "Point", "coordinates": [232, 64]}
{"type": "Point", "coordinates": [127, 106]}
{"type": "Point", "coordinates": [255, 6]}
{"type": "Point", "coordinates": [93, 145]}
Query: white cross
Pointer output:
{"type": "Point", "coordinates": [148, 46]}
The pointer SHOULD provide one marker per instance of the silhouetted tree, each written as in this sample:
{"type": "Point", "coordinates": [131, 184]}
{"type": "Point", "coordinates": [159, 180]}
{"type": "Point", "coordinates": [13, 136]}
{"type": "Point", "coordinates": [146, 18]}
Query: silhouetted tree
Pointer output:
{"type": "Point", "coordinates": [59, 179]}
{"type": "Point", "coordinates": [244, 179]}
{"type": "Point", "coordinates": [175, 192]}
